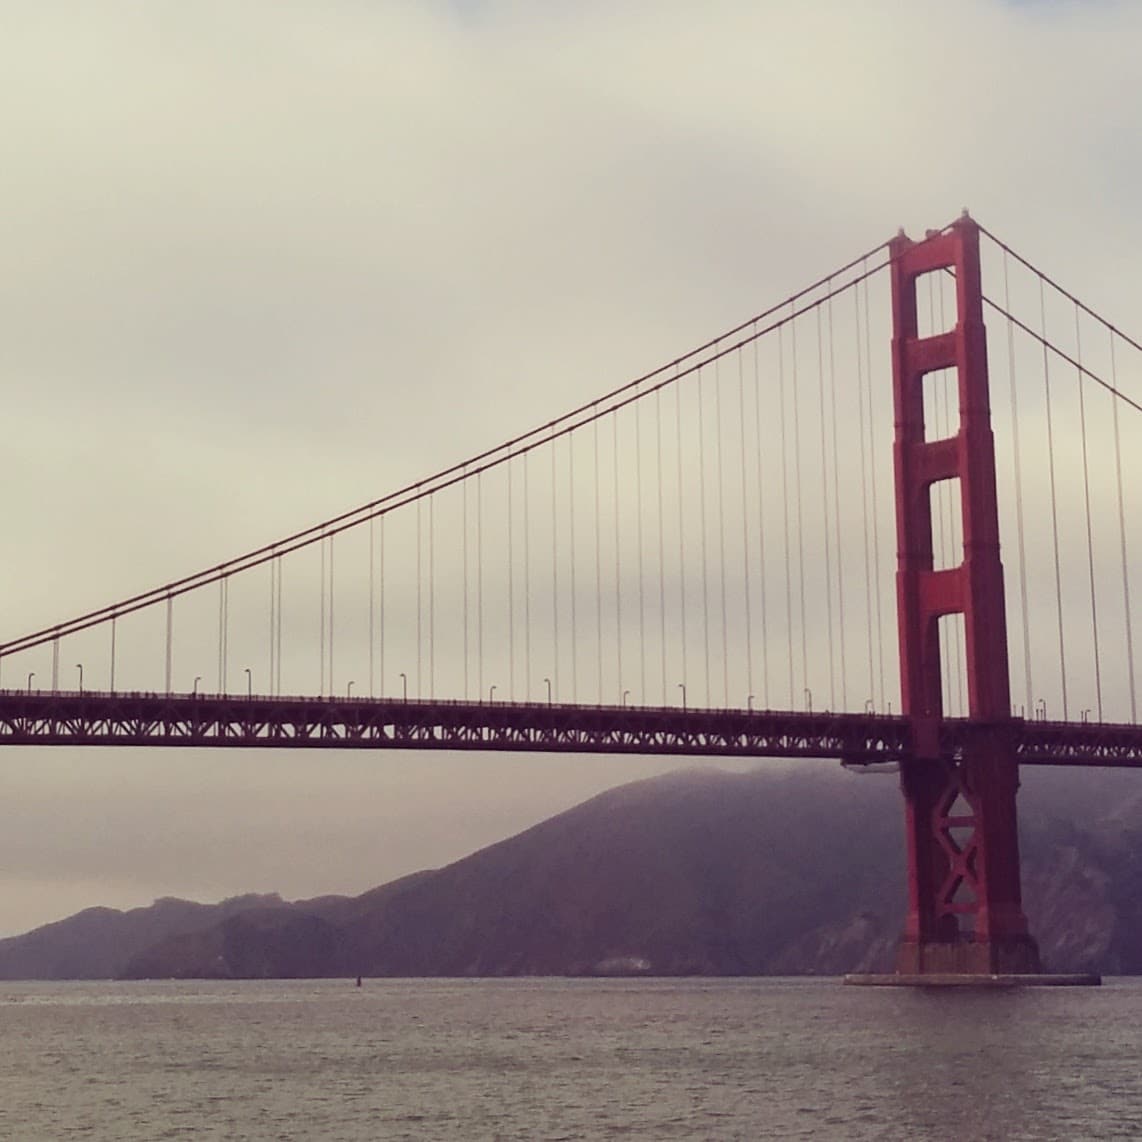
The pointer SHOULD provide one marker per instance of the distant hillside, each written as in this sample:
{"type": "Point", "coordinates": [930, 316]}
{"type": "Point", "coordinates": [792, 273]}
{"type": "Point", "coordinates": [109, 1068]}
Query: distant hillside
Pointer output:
{"type": "Point", "coordinates": [771, 872]}
{"type": "Point", "coordinates": [97, 942]}
{"type": "Point", "coordinates": [697, 872]}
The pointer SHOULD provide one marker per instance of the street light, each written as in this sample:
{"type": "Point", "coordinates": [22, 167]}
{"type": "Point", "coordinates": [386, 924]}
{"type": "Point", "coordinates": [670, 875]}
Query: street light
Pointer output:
{"type": "Point", "coordinates": [491, 692]}
{"type": "Point", "coordinates": [79, 667]}
{"type": "Point", "coordinates": [749, 703]}
{"type": "Point", "coordinates": [249, 682]}
{"type": "Point", "coordinates": [808, 699]}
{"type": "Point", "coordinates": [682, 687]}
{"type": "Point", "coordinates": [626, 694]}
{"type": "Point", "coordinates": [197, 679]}
{"type": "Point", "coordinates": [548, 681]}
{"type": "Point", "coordinates": [404, 684]}
{"type": "Point", "coordinates": [31, 675]}
{"type": "Point", "coordinates": [349, 689]}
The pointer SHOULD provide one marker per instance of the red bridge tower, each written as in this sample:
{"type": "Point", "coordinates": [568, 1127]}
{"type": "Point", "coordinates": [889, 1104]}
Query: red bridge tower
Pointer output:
{"type": "Point", "coordinates": [965, 913]}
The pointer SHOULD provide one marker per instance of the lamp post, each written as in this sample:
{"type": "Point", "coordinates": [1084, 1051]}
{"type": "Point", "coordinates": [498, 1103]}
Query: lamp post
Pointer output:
{"type": "Point", "coordinates": [79, 667]}
{"type": "Point", "coordinates": [404, 684]}
{"type": "Point", "coordinates": [749, 703]}
{"type": "Point", "coordinates": [492, 692]}
{"type": "Point", "coordinates": [194, 690]}
{"type": "Point", "coordinates": [249, 682]}
{"type": "Point", "coordinates": [349, 689]}
{"type": "Point", "coordinates": [548, 682]}
{"type": "Point", "coordinates": [682, 687]}
{"type": "Point", "coordinates": [31, 675]}
{"type": "Point", "coordinates": [808, 699]}
{"type": "Point", "coordinates": [626, 695]}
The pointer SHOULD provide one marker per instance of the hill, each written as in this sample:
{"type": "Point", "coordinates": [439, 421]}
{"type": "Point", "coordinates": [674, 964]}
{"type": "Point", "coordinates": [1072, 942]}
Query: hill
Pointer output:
{"type": "Point", "coordinates": [97, 942]}
{"type": "Point", "coordinates": [699, 872]}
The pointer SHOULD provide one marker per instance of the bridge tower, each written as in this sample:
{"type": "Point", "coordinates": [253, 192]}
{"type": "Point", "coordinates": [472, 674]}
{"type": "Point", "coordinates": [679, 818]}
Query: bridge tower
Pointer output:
{"type": "Point", "coordinates": [965, 912]}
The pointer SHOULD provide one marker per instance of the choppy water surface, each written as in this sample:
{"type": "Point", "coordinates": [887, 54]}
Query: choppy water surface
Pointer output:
{"type": "Point", "coordinates": [563, 1059]}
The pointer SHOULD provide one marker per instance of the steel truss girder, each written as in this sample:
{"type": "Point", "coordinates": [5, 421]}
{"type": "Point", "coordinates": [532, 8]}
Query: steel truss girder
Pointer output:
{"type": "Point", "coordinates": [93, 719]}
{"type": "Point", "coordinates": [229, 722]}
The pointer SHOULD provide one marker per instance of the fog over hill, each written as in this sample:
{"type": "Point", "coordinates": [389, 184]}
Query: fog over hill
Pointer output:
{"type": "Point", "coordinates": [697, 872]}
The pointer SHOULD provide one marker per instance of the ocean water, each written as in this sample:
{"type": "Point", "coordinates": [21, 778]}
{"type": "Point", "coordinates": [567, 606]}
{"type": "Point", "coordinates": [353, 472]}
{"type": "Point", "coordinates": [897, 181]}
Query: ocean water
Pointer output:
{"type": "Point", "coordinates": [566, 1059]}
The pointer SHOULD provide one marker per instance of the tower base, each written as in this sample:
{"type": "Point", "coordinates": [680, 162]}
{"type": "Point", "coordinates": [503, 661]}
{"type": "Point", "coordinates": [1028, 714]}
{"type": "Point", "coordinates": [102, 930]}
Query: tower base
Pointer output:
{"type": "Point", "coordinates": [1014, 954]}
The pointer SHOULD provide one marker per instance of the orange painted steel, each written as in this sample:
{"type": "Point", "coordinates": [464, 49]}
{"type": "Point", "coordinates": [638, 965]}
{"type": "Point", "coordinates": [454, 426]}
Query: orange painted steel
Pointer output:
{"type": "Point", "coordinates": [965, 911]}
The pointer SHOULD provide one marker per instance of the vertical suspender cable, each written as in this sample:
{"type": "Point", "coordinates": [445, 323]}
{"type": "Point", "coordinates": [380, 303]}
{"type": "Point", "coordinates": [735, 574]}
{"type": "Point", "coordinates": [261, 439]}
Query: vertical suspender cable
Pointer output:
{"type": "Point", "coordinates": [331, 591]}
{"type": "Point", "coordinates": [800, 502]}
{"type": "Point", "coordinates": [721, 525]}
{"type": "Point", "coordinates": [431, 596]}
{"type": "Point", "coordinates": [785, 504]}
{"type": "Point", "coordinates": [872, 484]}
{"type": "Point", "coordinates": [273, 565]}
{"type": "Point", "coordinates": [760, 520]}
{"type": "Point", "coordinates": [480, 584]}
{"type": "Point", "coordinates": [278, 671]}
{"type": "Point", "coordinates": [113, 623]}
{"type": "Point", "coordinates": [419, 606]}
{"type": "Point", "coordinates": [864, 493]}
{"type": "Point", "coordinates": [745, 525]}
{"type": "Point", "coordinates": [554, 565]}
{"type": "Point", "coordinates": [598, 564]}
{"type": "Point", "coordinates": [571, 561]}
{"type": "Point", "coordinates": [273, 627]}
{"type": "Point", "coordinates": [527, 575]}
{"type": "Point", "coordinates": [825, 513]}
{"type": "Point", "coordinates": [837, 501]}
{"type": "Point", "coordinates": [702, 517]}
{"type": "Point", "coordinates": [661, 537]}
{"type": "Point", "coordinates": [372, 609]}
{"type": "Point", "coordinates": [170, 631]}
{"type": "Point", "coordinates": [511, 587]}
{"type": "Point", "coordinates": [681, 526]}
{"type": "Point", "coordinates": [636, 410]}
{"type": "Point", "coordinates": [1054, 497]}
{"type": "Point", "coordinates": [1122, 537]}
{"type": "Point", "coordinates": [272, 624]}
{"type": "Point", "coordinates": [321, 632]}
{"type": "Point", "coordinates": [464, 481]}
{"type": "Point", "coordinates": [1089, 525]}
{"type": "Point", "coordinates": [226, 633]}
{"type": "Point", "coordinates": [618, 558]}
{"type": "Point", "coordinates": [381, 600]}
{"type": "Point", "coordinates": [1024, 620]}
{"type": "Point", "coordinates": [221, 596]}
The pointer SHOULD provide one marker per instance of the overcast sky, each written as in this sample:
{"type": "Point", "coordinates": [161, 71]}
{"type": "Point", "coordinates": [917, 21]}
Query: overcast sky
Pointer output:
{"type": "Point", "coordinates": [268, 259]}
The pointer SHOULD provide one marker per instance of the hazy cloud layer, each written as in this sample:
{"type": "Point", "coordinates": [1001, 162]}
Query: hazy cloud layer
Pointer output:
{"type": "Point", "coordinates": [267, 260]}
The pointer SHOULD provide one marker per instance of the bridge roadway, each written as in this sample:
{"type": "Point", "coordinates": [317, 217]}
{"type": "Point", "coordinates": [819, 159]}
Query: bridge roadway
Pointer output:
{"type": "Point", "coordinates": [230, 721]}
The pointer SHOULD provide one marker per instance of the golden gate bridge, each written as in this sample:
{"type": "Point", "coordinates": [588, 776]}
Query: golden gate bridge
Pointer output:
{"type": "Point", "coordinates": [697, 563]}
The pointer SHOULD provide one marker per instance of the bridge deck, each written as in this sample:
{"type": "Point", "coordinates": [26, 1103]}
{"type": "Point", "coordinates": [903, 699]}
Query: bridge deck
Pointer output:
{"type": "Point", "coordinates": [229, 721]}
